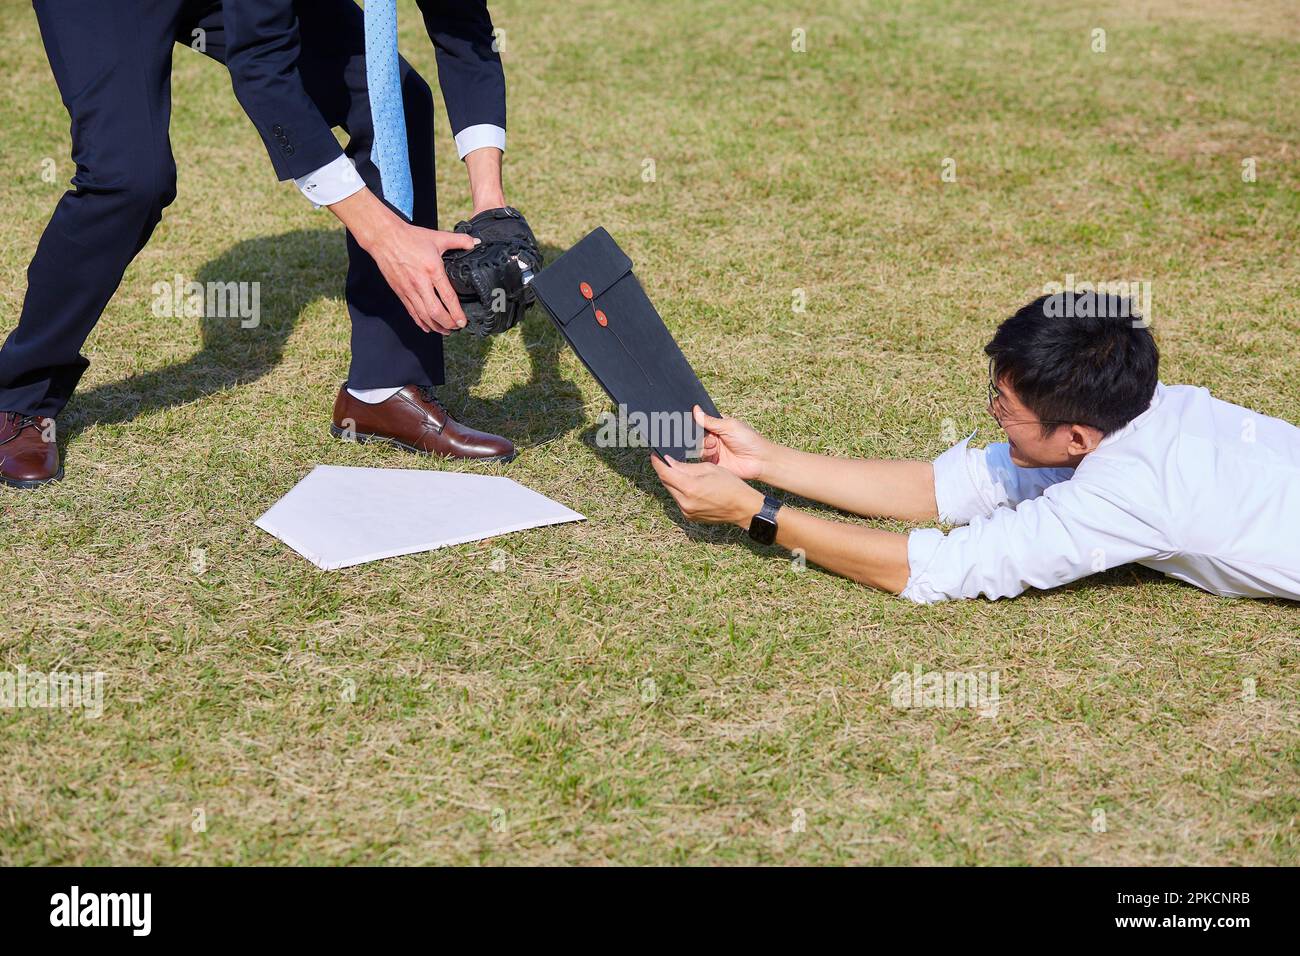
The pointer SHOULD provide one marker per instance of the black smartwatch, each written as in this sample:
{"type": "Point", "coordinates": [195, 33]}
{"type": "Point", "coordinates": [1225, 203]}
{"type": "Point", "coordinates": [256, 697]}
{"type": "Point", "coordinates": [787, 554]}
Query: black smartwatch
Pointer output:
{"type": "Point", "coordinates": [762, 527]}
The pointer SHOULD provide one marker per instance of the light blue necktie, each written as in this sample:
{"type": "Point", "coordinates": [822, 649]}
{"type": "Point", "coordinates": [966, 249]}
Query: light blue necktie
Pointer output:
{"type": "Point", "coordinates": [386, 112]}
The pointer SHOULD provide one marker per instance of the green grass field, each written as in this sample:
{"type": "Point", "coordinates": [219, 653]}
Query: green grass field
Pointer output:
{"type": "Point", "coordinates": [630, 690]}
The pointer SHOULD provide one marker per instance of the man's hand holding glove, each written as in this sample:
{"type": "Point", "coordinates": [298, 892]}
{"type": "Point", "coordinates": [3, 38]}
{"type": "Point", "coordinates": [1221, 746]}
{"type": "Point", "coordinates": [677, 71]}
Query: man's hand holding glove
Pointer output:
{"type": "Point", "coordinates": [492, 279]}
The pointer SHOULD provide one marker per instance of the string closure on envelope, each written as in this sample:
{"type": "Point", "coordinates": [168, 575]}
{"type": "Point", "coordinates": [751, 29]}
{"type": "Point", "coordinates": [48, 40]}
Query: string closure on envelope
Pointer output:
{"type": "Point", "coordinates": [603, 321]}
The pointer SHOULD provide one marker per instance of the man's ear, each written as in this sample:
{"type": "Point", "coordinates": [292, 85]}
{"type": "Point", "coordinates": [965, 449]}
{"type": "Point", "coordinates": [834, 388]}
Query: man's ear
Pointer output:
{"type": "Point", "coordinates": [1084, 439]}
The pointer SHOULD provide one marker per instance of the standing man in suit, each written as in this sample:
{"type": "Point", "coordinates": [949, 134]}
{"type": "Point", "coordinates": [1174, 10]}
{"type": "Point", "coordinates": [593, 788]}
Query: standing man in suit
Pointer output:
{"type": "Point", "coordinates": [298, 70]}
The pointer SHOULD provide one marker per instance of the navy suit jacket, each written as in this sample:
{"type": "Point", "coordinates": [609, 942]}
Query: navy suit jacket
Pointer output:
{"type": "Point", "coordinates": [263, 43]}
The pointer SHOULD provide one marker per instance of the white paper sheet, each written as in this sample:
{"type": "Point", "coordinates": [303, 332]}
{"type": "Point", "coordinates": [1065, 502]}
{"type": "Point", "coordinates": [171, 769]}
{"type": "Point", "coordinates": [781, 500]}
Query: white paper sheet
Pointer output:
{"type": "Point", "coordinates": [337, 517]}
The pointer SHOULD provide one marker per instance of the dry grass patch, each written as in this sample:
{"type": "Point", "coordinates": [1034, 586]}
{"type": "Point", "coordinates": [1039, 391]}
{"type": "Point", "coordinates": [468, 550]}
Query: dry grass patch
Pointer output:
{"type": "Point", "coordinates": [629, 690]}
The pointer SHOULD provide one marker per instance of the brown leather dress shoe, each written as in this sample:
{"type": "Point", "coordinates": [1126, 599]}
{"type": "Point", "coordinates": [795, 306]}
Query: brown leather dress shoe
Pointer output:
{"type": "Point", "coordinates": [29, 454]}
{"type": "Point", "coordinates": [415, 420]}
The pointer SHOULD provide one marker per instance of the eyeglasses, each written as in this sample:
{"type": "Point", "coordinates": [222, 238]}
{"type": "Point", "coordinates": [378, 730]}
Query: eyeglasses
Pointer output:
{"type": "Point", "coordinates": [995, 394]}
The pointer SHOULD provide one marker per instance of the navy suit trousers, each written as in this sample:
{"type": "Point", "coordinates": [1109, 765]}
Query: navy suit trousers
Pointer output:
{"type": "Point", "coordinates": [112, 62]}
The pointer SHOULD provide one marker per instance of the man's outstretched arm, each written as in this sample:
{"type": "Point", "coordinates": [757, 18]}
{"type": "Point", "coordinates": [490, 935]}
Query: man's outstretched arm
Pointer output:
{"type": "Point", "coordinates": [713, 495]}
{"type": "Point", "coordinates": [867, 555]}
{"type": "Point", "coordinates": [1070, 531]}
{"type": "Point", "coordinates": [903, 490]}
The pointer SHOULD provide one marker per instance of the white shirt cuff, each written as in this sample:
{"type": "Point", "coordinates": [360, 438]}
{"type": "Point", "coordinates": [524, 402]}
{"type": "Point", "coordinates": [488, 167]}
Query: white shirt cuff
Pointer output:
{"type": "Point", "coordinates": [956, 490]}
{"type": "Point", "coordinates": [476, 137]}
{"type": "Point", "coordinates": [333, 182]}
{"type": "Point", "coordinates": [922, 543]}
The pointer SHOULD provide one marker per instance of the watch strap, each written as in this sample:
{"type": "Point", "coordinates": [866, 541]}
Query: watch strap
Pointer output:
{"type": "Point", "coordinates": [763, 527]}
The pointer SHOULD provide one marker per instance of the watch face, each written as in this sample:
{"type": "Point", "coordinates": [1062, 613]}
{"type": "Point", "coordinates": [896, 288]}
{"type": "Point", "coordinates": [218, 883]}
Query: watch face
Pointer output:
{"type": "Point", "coordinates": [762, 530]}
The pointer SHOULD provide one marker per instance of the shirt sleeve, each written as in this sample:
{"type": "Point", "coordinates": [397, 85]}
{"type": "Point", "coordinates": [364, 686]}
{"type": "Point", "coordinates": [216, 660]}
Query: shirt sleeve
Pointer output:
{"type": "Point", "coordinates": [333, 182]}
{"type": "Point", "coordinates": [977, 481]}
{"type": "Point", "coordinates": [1069, 531]}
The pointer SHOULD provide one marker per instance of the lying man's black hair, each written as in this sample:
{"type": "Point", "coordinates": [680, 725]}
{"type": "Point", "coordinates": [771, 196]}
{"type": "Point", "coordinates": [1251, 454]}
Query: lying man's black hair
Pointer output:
{"type": "Point", "coordinates": [1078, 357]}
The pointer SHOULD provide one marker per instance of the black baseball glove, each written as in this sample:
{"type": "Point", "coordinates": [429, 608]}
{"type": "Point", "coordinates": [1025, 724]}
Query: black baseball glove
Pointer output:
{"type": "Point", "coordinates": [492, 279]}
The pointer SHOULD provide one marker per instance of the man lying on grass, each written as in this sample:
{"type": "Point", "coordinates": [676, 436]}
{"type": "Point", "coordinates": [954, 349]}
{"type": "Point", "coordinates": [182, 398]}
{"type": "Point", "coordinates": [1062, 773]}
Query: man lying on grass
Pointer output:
{"type": "Point", "coordinates": [1104, 465]}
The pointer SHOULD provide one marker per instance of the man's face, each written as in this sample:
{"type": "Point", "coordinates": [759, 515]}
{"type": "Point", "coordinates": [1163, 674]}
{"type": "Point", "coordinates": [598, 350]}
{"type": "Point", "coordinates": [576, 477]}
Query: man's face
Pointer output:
{"type": "Point", "coordinates": [1063, 447]}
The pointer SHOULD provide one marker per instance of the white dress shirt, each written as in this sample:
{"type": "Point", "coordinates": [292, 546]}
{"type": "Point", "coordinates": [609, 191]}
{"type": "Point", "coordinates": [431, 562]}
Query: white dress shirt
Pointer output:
{"type": "Point", "coordinates": [337, 180]}
{"type": "Point", "coordinates": [1202, 490]}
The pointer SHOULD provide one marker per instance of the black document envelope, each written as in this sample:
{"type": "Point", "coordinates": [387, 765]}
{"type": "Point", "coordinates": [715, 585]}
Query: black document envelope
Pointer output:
{"type": "Point", "coordinates": [606, 317]}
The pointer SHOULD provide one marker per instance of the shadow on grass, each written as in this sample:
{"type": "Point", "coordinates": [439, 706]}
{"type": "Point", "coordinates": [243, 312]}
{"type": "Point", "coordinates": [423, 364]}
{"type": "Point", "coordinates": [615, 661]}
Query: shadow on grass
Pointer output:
{"type": "Point", "coordinates": [531, 413]}
{"type": "Point", "coordinates": [295, 270]}
{"type": "Point", "coordinates": [634, 465]}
